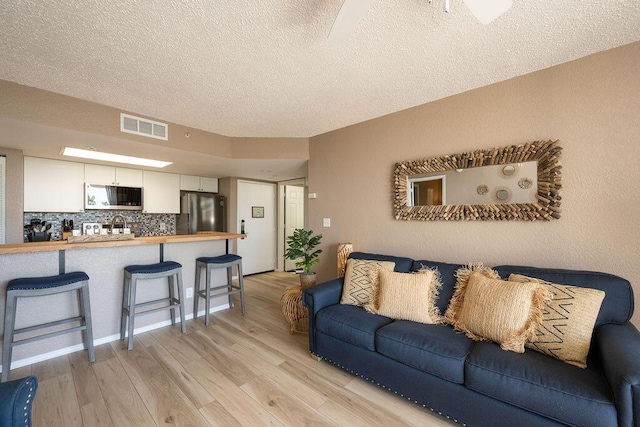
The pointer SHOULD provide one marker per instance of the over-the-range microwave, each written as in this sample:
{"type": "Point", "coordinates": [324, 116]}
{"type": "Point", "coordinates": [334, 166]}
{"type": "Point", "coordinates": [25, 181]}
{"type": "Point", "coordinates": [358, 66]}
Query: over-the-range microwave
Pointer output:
{"type": "Point", "coordinates": [112, 197]}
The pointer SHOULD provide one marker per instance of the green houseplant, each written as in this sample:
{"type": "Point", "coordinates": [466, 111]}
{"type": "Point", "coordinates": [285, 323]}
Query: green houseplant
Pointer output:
{"type": "Point", "coordinates": [302, 249]}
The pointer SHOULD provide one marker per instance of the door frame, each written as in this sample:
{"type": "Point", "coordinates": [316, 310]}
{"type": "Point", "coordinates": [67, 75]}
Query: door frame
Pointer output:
{"type": "Point", "coordinates": [281, 217]}
{"type": "Point", "coordinates": [276, 219]}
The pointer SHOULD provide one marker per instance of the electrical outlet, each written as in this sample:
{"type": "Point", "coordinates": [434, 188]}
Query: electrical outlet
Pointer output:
{"type": "Point", "coordinates": [163, 226]}
{"type": "Point", "coordinates": [189, 292]}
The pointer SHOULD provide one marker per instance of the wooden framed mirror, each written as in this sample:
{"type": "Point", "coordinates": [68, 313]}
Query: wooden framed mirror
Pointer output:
{"type": "Point", "coordinates": [543, 203]}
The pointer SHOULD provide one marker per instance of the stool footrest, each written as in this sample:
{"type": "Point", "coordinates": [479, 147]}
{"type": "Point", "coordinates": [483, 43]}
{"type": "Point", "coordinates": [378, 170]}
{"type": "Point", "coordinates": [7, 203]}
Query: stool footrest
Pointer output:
{"type": "Point", "coordinates": [203, 293]}
{"type": "Point", "coordinates": [47, 325]}
{"type": "Point", "coordinates": [172, 301]}
{"type": "Point", "coordinates": [48, 335]}
{"type": "Point", "coordinates": [224, 287]}
{"type": "Point", "coordinates": [172, 305]}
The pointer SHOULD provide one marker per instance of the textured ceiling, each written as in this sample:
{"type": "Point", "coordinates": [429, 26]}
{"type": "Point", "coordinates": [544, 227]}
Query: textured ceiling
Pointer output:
{"type": "Point", "coordinates": [266, 68]}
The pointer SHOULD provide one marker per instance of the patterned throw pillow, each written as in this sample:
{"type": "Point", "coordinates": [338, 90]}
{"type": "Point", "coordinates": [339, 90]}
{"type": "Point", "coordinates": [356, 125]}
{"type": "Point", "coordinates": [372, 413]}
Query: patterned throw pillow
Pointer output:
{"type": "Point", "coordinates": [567, 321]}
{"type": "Point", "coordinates": [358, 280]}
{"type": "Point", "coordinates": [407, 296]}
{"type": "Point", "coordinates": [487, 308]}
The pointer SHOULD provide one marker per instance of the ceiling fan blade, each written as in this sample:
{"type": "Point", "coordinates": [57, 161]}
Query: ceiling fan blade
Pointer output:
{"type": "Point", "coordinates": [351, 13]}
{"type": "Point", "coordinates": [488, 10]}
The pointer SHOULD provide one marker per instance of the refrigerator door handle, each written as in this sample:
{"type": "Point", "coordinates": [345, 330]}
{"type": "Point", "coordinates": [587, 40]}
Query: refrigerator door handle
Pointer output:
{"type": "Point", "coordinates": [242, 231]}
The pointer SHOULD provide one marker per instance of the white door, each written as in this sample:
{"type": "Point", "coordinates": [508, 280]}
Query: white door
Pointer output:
{"type": "Point", "coordinates": [294, 216]}
{"type": "Point", "coordinates": [257, 208]}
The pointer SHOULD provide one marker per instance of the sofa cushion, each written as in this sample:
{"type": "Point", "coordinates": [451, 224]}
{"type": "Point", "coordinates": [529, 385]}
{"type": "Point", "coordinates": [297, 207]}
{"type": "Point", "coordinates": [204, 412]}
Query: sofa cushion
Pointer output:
{"type": "Point", "coordinates": [403, 265]}
{"type": "Point", "coordinates": [351, 324]}
{"type": "Point", "coordinates": [359, 279]}
{"type": "Point", "coordinates": [541, 384]}
{"type": "Point", "coordinates": [408, 296]}
{"type": "Point", "coordinates": [435, 349]}
{"type": "Point", "coordinates": [567, 321]}
{"type": "Point", "coordinates": [617, 306]}
{"type": "Point", "coordinates": [485, 307]}
{"type": "Point", "coordinates": [447, 278]}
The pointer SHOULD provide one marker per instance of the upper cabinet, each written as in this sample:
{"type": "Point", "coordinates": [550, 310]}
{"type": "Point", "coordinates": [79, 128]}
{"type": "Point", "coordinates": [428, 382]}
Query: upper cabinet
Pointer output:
{"type": "Point", "coordinates": [109, 175]}
{"type": "Point", "coordinates": [198, 183]}
{"type": "Point", "coordinates": [53, 185]}
{"type": "Point", "coordinates": [161, 193]}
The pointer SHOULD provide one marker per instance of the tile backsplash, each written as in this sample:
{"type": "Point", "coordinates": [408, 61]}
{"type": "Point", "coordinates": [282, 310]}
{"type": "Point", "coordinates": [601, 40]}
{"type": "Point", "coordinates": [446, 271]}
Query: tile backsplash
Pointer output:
{"type": "Point", "coordinates": [150, 224]}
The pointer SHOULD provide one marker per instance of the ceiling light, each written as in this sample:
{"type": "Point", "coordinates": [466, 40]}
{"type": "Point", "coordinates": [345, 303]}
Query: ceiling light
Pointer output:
{"type": "Point", "coordinates": [110, 157]}
{"type": "Point", "coordinates": [488, 10]}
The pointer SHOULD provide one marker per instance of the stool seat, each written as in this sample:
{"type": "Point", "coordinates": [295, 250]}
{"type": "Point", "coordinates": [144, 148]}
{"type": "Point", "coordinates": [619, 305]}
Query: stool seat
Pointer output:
{"type": "Point", "coordinates": [32, 283]}
{"type": "Point", "coordinates": [226, 261]}
{"type": "Point", "coordinates": [130, 309]}
{"type": "Point", "coordinates": [160, 267]}
{"type": "Point", "coordinates": [222, 259]}
{"type": "Point", "coordinates": [26, 287]}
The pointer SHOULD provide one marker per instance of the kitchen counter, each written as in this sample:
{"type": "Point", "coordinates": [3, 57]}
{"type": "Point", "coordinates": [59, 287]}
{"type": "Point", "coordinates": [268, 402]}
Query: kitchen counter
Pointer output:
{"type": "Point", "coordinates": [62, 245]}
{"type": "Point", "coordinates": [104, 263]}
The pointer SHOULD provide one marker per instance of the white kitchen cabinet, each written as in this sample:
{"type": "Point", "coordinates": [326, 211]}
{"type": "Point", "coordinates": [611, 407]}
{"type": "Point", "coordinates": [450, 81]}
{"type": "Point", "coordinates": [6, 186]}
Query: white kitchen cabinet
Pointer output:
{"type": "Point", "coordinates": [198, 183]}
{"type": "Point", "coordinates": [53, 185]}
{"type": "Point", "coordinates": [109, 175]}
{"type": "Point", "coordinates": [161, 192]}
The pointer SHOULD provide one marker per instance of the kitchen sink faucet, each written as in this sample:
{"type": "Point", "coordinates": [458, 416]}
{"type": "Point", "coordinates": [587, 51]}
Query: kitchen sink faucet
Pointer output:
{"type": "Point", "coordinates": [122, 219]}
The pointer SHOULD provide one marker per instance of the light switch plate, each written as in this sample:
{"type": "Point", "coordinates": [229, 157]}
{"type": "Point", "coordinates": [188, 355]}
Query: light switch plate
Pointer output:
{"type": "Point", "coordinates": [326, 222]}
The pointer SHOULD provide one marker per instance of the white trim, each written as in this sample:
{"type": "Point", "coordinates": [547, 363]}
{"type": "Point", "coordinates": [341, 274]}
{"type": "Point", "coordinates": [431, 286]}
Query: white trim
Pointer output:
{"type": "Point", "coordinates": [15, 364]}
{"type": "Point", "coordinates": [281, 211]}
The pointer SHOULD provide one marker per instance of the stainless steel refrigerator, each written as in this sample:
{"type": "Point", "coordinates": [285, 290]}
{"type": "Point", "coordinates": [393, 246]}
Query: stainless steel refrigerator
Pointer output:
{"type": "Point", "coordinates": [201, 212]}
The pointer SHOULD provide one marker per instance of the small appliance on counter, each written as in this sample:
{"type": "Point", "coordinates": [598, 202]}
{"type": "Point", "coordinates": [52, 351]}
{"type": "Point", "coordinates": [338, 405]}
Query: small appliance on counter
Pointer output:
{"type": "Point", "coordinates": [91, 228]}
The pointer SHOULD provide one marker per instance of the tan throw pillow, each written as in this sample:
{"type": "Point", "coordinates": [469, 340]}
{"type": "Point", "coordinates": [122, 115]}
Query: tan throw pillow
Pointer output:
{"type": "Point", "coordinates": [567, 321]}
{"type": "Point", "coordinates": [406, 296]}
{"type": "Point", "coordinates": [358, 280]}
{"type": "Point", "coordinates": [487, 308]}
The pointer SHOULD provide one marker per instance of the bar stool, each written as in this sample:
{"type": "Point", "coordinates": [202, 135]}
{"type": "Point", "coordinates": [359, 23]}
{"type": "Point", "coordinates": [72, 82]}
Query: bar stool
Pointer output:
{"type": "Point", "coordinates": [43, 286]}
{"type": "Point", "coordinates": [132, 273]}
{"type": "Point", "coordinates": [209, 263]}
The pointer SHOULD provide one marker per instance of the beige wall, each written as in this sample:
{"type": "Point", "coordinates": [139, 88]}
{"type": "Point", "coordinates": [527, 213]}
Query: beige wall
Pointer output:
{"type": "Point", "coordinates": [15, 202]}
{"type": "Point", "coordinates": [591, 104]}
{"type": "Point", "coordinates": [33, 105]}
{"type": "Point", "coordinates": [269, 148]}
{"type": "Point", "coordinates": [48, 108]}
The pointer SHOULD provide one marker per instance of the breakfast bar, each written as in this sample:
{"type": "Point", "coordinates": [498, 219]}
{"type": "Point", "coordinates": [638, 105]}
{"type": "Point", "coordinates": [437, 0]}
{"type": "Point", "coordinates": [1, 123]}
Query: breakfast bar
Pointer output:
{"type": "Point", "coordinates": [103, 262]}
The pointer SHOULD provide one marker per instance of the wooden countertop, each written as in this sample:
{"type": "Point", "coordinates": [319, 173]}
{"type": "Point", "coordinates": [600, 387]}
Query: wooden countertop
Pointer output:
{"type": "Point", "coordinates": [62, 245]}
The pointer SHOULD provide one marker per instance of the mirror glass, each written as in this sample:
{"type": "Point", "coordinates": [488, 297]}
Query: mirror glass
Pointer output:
{"type": "Point", "coordinates": [519, 182]}
{"type": "Point", "coordinates": [475, 186]}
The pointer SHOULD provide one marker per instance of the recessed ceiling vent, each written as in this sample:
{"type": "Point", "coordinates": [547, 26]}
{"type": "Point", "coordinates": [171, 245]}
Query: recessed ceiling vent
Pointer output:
{"type": "Point", "coordinates": [143, 127]}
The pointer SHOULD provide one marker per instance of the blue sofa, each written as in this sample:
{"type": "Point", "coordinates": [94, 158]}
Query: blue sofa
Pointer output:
{"type": "Point", "coordinates": [16, 401]}
{"type": "Point", "coordinates": [477, 383]}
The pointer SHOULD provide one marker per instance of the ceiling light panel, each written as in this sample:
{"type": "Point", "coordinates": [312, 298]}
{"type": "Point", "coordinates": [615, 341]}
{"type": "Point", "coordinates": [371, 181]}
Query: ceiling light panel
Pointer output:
{"type": "Point", "coordinates": [115, 158]}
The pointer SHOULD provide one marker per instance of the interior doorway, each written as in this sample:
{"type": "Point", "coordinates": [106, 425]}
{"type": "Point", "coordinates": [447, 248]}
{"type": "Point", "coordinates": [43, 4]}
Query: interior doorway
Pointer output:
{"type": "Point", "coordinates": [292, 214]}
{"type": "Point", "coordinates": [257, 218]}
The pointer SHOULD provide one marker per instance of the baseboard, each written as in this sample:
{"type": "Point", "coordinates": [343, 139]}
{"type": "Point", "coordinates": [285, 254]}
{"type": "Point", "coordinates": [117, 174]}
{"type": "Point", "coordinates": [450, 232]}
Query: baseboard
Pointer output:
{"type": "Point", "coordinates": [104, 340]}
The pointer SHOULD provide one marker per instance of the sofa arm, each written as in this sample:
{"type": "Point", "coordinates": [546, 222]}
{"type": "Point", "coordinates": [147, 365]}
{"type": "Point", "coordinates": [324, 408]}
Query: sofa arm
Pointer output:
{"type": "Point", "coordinates": [16, 400]}
{"type": "Point", "coordinates": [618, 347]}
{"type": "Point", "coordinates": [315, 299]}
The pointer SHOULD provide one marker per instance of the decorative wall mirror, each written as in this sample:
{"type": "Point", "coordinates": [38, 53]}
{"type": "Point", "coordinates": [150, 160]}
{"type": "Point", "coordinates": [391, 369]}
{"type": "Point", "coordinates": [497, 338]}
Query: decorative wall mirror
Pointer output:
{"type": "Point", "coordinates": [506, 171]}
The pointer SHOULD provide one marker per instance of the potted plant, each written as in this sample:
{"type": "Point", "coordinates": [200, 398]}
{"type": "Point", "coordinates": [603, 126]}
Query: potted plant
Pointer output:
{"type": "Point", "coordinates": [302, 250]}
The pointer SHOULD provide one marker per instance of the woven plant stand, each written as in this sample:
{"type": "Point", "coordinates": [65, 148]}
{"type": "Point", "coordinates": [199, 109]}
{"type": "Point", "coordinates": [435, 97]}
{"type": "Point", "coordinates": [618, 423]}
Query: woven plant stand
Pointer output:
{"type": "Point", "coordinates": [293, 311]}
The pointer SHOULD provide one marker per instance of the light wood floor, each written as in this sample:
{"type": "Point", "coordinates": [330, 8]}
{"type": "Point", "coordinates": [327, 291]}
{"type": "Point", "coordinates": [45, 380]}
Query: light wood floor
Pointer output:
{"type": "Point", "coordinates": [239, 371]}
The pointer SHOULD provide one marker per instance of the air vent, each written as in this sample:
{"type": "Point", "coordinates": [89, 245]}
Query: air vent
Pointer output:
{"type": "Point", "coordinates": [143, 127]}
